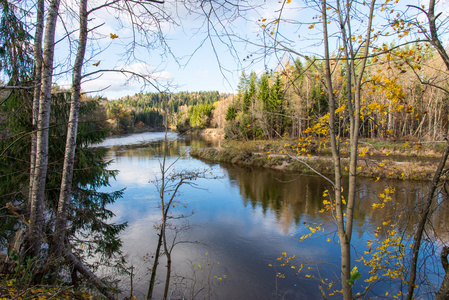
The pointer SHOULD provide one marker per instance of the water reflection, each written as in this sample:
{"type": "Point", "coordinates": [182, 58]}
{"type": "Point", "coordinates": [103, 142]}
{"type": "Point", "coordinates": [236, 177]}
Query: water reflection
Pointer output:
{"type": "Point", "coordinates": [244, 219]}
{"type": "Point", "coordinates": [293, 196]}
{"type": "Point", "coordinates": [289, 196]}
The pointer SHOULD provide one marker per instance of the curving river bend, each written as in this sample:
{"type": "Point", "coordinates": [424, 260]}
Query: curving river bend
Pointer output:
{"type": "Point", "coordinates": [243, 220]}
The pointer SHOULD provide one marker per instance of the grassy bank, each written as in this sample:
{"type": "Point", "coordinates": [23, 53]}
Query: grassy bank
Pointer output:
{"type": "Point", "coordinates": [376, 160]}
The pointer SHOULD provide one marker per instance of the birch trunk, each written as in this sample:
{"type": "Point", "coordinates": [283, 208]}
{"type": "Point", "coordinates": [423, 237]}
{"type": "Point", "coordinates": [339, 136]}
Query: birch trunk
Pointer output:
{"type": "Point", "coordinates": [72, 127]}
{"type": "Point", "coordinates": [37, 90]}
{"type": "Point", "coordinates": [40, 173]}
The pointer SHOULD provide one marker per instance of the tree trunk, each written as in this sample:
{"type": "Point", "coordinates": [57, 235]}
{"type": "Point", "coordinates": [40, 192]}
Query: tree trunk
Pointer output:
{"type": "Point", "coordinates": [344, 245]}
{"type": "Point", "coordinates": [154, 269]}
{"type": "Point", "coordinates": [422, 222]}
{"type": "Point", "coordinates": [70, 148]}
{"type": "Point", "coordinates": [40, 174]}
{"type": "Point", "coordinates": [91, 277]}
{"type": "Point", "coordinates": [37, 90]}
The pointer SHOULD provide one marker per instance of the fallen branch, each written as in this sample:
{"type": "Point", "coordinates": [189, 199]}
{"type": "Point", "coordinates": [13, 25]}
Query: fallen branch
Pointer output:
{"type": "Point", "coordinates": [88, 274]}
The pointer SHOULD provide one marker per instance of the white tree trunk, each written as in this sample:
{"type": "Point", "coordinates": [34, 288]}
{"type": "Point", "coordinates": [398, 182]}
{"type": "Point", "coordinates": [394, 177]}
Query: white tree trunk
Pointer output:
{"type": "Point", "coordinates": [72, 127]}
{"type": "Point", "coordinates": [40, 174]}
{"type": "Point", "coordinates": [37, 90]}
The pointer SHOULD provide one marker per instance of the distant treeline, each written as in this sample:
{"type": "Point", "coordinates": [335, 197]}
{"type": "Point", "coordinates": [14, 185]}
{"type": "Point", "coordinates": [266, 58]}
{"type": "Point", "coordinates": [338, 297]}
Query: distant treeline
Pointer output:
{"type": "Point", "coordinates": [156, 110]}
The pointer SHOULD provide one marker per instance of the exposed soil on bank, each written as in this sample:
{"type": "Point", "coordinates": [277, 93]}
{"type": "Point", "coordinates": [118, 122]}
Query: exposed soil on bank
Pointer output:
{"type": "Point", "coordinates": [376, 160]}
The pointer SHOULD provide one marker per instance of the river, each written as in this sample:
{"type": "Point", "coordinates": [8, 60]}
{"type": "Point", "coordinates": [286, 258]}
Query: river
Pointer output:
{"type": "Point", "coordinates": [239, 221]}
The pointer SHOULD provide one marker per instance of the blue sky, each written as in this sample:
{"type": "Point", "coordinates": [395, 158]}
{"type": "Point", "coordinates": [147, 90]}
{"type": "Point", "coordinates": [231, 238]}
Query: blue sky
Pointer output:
{"type": "Point", "coordinates": [187, 67]}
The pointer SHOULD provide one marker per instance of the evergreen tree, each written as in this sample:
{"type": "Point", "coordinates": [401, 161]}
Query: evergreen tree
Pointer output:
{"type": "Point", "coordinates": [277, 102]}
{"type": "Point", "coordinates": [88, 212]}
{"type": "Point", "coordinates": [231, 113]}
{"type": "Point", "coordinates": [318, 97]}
{"type": "Point", "coordinates": [264, 98]}
{"type": "Point", "coordinates": [15, 44]}
{"type": "Point", "coordinates": [242, 86]}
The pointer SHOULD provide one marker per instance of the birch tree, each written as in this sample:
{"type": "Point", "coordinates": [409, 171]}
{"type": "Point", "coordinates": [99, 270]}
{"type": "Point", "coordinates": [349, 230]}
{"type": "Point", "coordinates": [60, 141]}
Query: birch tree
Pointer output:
{"type": "Point", "coordinates": [37, 51]}
{"type": "Point", "coordinates": [69, 155]}
{"type": "Point", "coordinates": [37, 193]}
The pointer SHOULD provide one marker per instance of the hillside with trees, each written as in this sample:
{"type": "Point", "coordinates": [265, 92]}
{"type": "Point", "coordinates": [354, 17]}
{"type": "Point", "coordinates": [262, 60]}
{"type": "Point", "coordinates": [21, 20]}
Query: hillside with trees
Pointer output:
{"type": "Point", "coordinates": [152, 111]}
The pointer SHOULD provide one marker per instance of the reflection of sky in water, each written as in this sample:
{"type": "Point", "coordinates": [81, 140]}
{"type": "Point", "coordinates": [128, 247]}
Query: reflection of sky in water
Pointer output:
{"type": "Point", "coordinates": [135, 139]}
{"type": "Point", "coordinates": [244, 239]}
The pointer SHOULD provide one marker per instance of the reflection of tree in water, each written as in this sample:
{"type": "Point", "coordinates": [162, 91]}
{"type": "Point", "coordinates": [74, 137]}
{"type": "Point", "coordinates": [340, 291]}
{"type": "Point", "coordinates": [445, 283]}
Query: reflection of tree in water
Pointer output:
{"type": "Point", "coordinates": [287, 195]}
{"type": "Point", "coordinates": [440, 217]}
{"type": "Point", "coordinates": [404, 207]}
{"type": "Point", "coordinates": [290, 196]}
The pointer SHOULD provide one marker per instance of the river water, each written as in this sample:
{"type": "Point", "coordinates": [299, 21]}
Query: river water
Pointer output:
{"type": "Point", "coordinates": [238, 221]}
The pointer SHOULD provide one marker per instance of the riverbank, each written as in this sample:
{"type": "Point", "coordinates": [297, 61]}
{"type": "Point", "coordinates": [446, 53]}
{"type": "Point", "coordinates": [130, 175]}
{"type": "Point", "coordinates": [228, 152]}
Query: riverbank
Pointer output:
{"type": "Point", "coordinates": [209, 133]}
{"type": "Point", "coordinates": [378, 160]}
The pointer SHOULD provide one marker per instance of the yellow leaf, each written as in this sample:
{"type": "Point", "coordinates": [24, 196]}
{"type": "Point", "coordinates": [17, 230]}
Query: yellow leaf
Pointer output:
{"type": "Point", "coordinates": [113, 36]}
{"type": "Point", "coordinates": [96, 64]}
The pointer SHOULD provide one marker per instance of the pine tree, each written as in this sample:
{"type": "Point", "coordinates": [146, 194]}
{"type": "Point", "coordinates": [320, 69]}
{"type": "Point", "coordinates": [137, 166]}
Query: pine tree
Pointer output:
{"type": "Point", "coordinates": [277, 102]}
{"type": "Point", "coordinates": [264, 98]}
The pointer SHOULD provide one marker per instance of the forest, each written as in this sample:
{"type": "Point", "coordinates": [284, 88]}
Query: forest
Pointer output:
{"type": "Point", "coordinates": [396, 105]}
{"type": "Point", "coordinates": [56, 229]}
{"type": "Point", "coordinates": [182, 110]}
